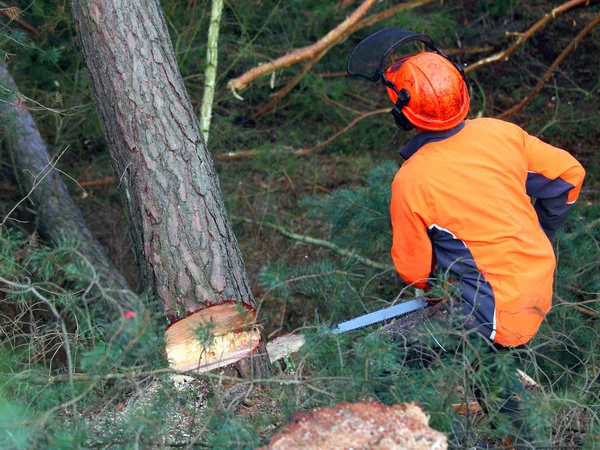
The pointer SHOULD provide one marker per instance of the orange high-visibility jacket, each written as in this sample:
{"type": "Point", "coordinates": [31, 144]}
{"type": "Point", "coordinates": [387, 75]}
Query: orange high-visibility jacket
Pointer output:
{"type": "Point", "coordinates": [461, 209]}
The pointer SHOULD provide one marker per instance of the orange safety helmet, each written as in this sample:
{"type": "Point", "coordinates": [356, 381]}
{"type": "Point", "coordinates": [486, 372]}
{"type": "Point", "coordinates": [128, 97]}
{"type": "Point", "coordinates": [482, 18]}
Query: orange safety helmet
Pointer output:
{"type": "Point", "coordinates": [439, 98]}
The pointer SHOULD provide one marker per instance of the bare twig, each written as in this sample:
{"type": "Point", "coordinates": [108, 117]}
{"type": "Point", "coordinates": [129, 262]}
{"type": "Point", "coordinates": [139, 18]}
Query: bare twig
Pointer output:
{"type": "Point", "coordinates": [37, 180]}
{"type": "Point", "coordinates": [504, 54]}
{"type": "Point", "coordinates": [243, 154]}
{"type": "Point", "coordinates": [232, 156]}
{"type": "Point", "coordinates": [319, 146]}
{"type": "Point", "coordinates": [589, 27]}
{"type": "Point", "coordinates": [24, 288]}
{"type": "Point", "coordinates": [321, 243]}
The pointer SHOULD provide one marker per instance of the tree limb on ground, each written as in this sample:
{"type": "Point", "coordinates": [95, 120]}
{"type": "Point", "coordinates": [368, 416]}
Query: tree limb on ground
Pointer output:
{"type": "Point", "coordinates": [352, 24]}
{"type": "Point", "coordinates": [301, 54]}
{"type": "Point", "coordinates": [231, 156]}
{"type": "Point", "coordinates": [557, 62]}
{"type": "Point", "coordinates": [504, 54]}
{"type": "Point", "coordinates": [265, 109]}
{"type": "Point", "coordinates": [321, 243]}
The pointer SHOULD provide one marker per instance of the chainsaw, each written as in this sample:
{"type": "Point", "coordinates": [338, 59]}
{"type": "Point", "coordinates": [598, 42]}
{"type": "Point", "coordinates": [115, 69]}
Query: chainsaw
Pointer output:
{"type": "Point", "coordinates": [393, 312]}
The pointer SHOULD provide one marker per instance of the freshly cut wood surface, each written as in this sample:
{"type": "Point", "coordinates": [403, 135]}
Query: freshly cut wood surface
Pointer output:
{"type": "Point", "coordinates": [284, 345]}
{"type": "Point", "coordinates": [228, 336]}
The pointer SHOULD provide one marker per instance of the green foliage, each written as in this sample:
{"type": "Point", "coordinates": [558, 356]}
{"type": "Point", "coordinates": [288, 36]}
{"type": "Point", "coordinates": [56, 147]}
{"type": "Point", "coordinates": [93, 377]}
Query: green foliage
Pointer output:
{"type": "Point", "coordinates": [359, 217]}
{"type": "Point", "coordinates": [230, 432]}
{"type": "Point", "coordinates": [301, 286]}
{"type": "Point", "coordinates": [37, 340]}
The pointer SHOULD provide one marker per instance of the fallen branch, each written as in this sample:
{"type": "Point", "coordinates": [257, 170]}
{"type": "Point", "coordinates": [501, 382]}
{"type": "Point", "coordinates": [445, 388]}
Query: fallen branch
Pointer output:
{"type": "Point", "coordinates": [388, 13]}
{"type": "Point", "coordinates": [528, 33]}
{"type": "Point", "coordinates": [321, 243]}
{"type": "Point", "coordinates": [589, 27]}
{"type": "Point", "coordinates": [13, 13]}
{"type": "Point", "coordinates": [346, 28]}
{"type": "Point", "coordinates": [306, 151]}
{"type": "Point", "coordinates": [288, 87]}
{"type": "Point", "coordinates": [302, 54]}
{"type": "Point", "coordinates": [231, 156]}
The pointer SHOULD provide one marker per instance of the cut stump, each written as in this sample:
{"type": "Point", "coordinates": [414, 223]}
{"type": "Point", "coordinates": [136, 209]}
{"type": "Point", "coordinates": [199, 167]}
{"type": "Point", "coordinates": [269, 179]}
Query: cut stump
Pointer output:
{"type": "Point", "coordinates": [213, 337]}
{"type": "Point", "coordinates": [363, 425]}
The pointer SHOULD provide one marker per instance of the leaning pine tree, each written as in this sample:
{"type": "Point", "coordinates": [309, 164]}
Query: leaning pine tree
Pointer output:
{"type": "Point", "coordinates": [185, 248]}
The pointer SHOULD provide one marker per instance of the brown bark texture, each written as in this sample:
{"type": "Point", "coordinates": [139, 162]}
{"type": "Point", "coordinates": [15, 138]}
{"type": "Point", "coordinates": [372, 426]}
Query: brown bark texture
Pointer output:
{"type": "Point", "coordinates": [57, 212]}
{"type": "Point", "coordinates": [184, 245]}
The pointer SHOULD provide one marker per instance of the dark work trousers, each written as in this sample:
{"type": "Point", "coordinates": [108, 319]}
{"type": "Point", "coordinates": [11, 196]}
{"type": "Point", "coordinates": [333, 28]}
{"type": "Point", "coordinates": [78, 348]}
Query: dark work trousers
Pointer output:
{"type": "Point", "coordinates": [492, 370]}
{"type": "Point", "coordinates": [498, 389]}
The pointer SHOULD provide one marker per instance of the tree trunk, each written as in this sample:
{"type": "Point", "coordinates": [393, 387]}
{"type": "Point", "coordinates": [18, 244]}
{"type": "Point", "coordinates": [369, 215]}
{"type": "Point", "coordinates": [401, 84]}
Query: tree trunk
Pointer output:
{"type": "Point", "coordinates": [58, 214]}
{"type": "Point", "coordinates": [185, 248]}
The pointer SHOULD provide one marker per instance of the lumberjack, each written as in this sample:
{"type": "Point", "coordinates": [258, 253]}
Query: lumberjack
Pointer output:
{"type": "Point", "coordinates": [461, 206]}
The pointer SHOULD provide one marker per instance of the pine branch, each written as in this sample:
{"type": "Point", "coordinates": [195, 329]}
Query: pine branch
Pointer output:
{"type": "Point", "coordinates": [321, 243]}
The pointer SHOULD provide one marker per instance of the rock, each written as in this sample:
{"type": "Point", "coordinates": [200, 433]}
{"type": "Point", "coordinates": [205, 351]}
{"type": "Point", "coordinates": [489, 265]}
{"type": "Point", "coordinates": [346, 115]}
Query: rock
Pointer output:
{"type": "Point", "coordinates": [359, 426]}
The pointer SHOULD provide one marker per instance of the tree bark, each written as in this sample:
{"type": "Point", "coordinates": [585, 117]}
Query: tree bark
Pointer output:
{"type": "Point", "coordinates": [186, 251]}
{"type": "Point", "coordinates": [58, 214]}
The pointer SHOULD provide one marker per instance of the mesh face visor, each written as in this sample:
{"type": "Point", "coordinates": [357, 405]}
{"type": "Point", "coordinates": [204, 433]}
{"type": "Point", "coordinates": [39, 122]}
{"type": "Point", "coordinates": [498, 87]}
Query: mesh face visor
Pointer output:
{"type": "Point", "coordinates": [373, 54]}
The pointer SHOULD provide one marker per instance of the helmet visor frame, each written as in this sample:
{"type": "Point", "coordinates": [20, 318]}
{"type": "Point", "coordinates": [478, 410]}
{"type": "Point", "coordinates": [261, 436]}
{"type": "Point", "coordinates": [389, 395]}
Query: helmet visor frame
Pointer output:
{"type": "Point", "coordinates": [374, 53]}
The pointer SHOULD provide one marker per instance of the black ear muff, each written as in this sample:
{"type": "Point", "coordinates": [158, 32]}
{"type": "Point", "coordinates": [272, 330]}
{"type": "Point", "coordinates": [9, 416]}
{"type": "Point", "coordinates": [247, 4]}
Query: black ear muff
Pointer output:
{"type": "Point", "coordinates": [401, 121]}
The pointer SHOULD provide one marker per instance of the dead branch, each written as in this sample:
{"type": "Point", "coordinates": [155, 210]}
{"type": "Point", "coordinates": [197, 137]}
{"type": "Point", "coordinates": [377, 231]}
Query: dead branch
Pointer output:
{"type": "Point", "coordinates": [528, 33]}
{"type": "Point", "coordinates": [346, 28]}
{"type": "Point", "coordinates": [231, 156]}
{"type": "Point", "coordinates": [306, 151]}
{"type": "Point", "coordinates": [321, 243]}
{"type": "Point", "coordinates": [302, 54]}
{"type": "Point", "coordinates": [100, 182]}
{"type": "Point", "coordinates": [589, 27]}
{"type": "Point", "coordinates": [388, 13]}
{"type": "Point", "coordinates": [13, 13]}
{"type": "Point", "coordinates": [294, 81]}
{"type": "Point", "coordinates": [288, 87]}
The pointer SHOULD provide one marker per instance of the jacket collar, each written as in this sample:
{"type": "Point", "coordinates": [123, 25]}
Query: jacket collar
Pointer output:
{"type": "Point", "coordinates": [425, 137]}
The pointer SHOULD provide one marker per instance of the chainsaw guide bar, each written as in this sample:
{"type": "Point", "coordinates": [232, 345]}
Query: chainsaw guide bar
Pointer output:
{"type": "Point", "coordinates": [393, 312]}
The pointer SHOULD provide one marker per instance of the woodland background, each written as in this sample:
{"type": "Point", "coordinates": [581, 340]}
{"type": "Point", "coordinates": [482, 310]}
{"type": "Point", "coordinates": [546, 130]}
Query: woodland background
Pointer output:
{"type": "Point", "coordinates": [317, 164]}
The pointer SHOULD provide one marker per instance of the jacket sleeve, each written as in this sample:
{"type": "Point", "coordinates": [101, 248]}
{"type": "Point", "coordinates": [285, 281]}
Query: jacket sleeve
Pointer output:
{"type": "Point", "coordinates": [411, 247]}
{"type": "Point", "coordinates": [554, 179]}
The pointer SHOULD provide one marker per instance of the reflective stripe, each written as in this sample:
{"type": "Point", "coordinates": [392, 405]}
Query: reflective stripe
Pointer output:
{"type": "Point", "coordinates": [493, 335]}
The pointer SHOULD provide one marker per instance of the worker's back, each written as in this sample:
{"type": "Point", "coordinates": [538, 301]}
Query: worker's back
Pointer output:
{"type": "Point", "coordinates": [469, 189]}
